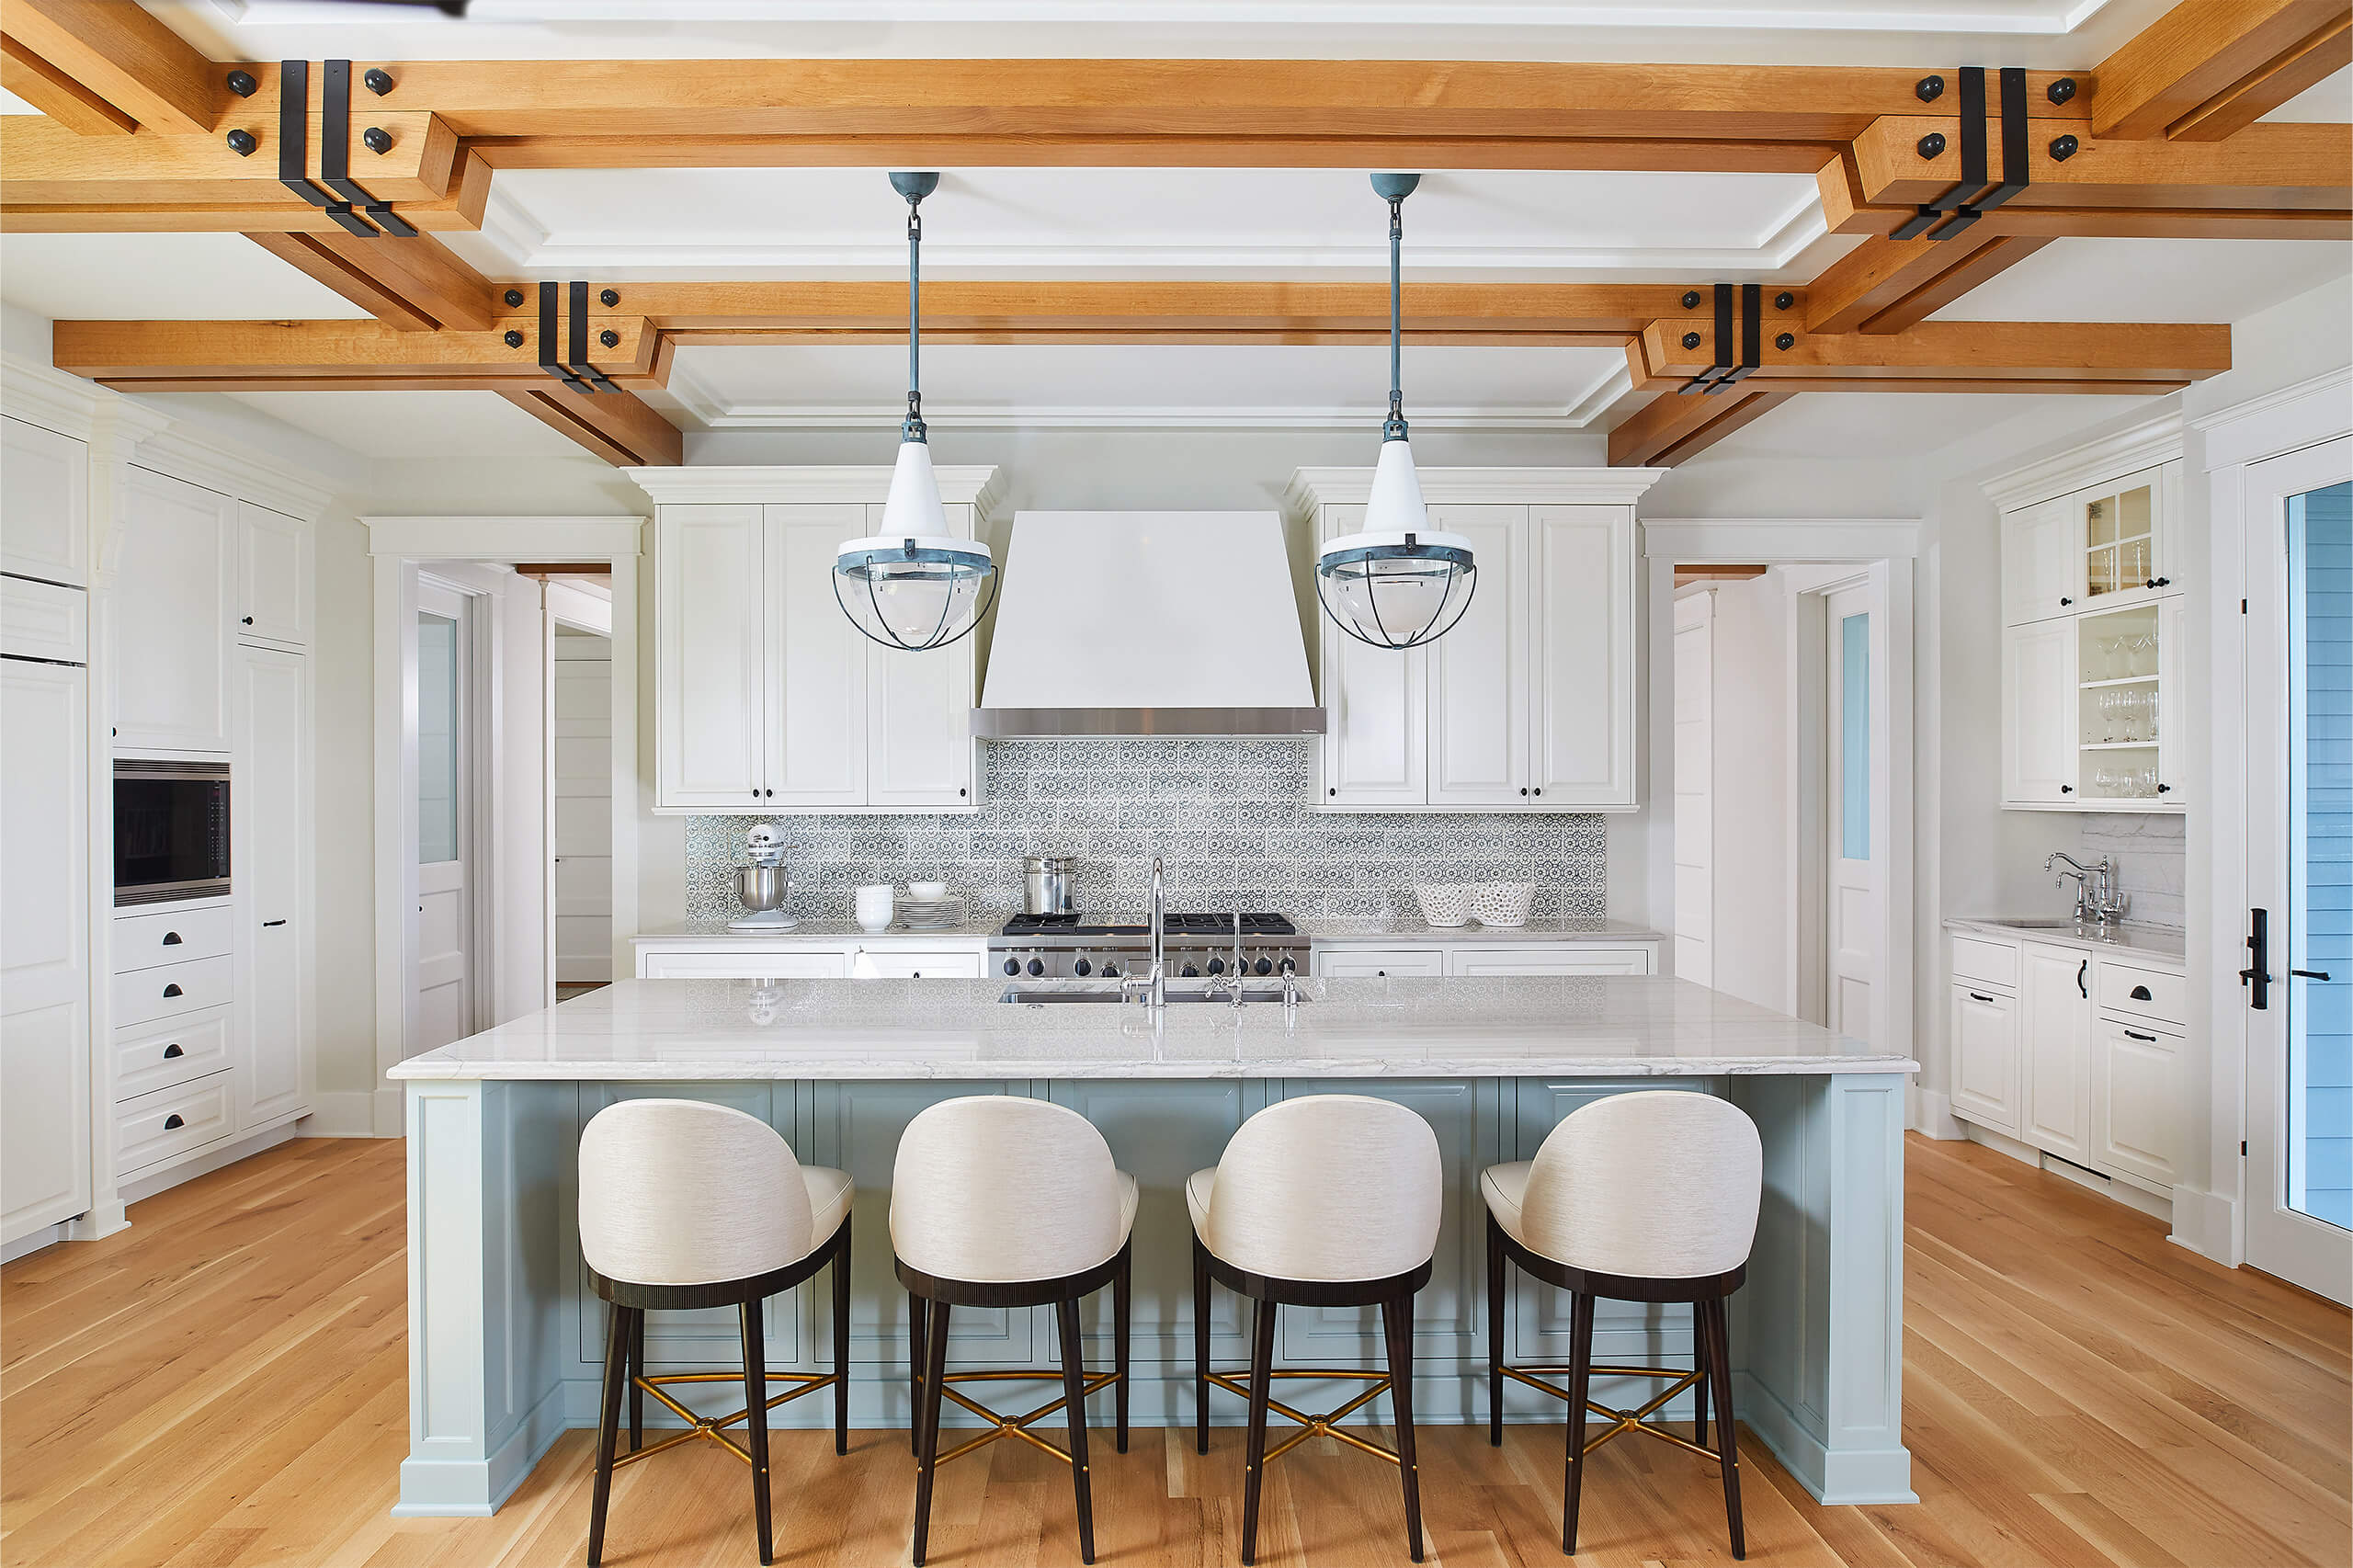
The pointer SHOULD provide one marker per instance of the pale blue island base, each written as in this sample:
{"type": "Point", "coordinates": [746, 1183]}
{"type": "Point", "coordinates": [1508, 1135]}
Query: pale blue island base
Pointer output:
{"type": "Point", "coordinates": [506, 1342]}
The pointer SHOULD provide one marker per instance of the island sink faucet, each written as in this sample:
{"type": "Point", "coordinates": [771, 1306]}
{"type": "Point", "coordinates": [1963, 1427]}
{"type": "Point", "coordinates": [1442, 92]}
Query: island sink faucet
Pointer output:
{"type": "Point", "coordinates": [2097, 900]}
{"type": "Point", "coordinates": [1152, 989]}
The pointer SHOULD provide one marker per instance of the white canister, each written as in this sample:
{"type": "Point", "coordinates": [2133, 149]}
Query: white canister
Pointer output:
{"type": "Point", "coordinates": [874, 907]}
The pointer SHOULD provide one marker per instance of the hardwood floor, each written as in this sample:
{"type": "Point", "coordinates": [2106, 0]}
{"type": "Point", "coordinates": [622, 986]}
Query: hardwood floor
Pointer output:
{"type": "Point", "coordinates": [225, 1383]}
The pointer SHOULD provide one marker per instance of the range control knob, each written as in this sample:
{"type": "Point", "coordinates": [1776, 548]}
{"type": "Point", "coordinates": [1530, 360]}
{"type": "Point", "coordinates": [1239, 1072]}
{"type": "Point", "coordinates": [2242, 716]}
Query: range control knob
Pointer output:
{"type": "Point", "coordinates": [1288, 966]}
{"type": "Point", "coordinates": [1264, 966]}
{"type": "Point", "coordinates": [1110, 970]}
{"type": "Point", "coordinates": [1217, 966]}
{"type": "Point", "coordinates": [1190, 972]}
{"type": "Point", "coordinates": [1082, 967]}
{"type": "Point", "coordinates": [1037, 966]}
{"type": "Point", "coordinates": [1013, 966]}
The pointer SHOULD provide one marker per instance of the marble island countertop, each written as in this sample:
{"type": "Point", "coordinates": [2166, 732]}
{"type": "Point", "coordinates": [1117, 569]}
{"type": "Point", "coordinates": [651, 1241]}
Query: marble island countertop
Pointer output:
{"type": "Point", "coordinates": [1317, 933]}
{"type": "Point", "coordinates": [1590, 1026]}
{"type": "Point", "coordinates": [2160, 944]}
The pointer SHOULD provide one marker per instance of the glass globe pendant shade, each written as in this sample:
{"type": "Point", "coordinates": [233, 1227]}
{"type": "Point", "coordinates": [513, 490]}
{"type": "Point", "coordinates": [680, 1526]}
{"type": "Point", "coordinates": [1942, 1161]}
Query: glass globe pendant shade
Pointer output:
{"type": "Point", "coordinates": [1398, 589]}
{"type": "Point", "coordinates": [913, 590]}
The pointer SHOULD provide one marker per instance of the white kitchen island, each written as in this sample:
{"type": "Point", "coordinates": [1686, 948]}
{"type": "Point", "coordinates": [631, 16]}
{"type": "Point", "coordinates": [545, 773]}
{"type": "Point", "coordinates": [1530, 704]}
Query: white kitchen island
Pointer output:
{"type": "Point", "coordinates": [505, 1340]}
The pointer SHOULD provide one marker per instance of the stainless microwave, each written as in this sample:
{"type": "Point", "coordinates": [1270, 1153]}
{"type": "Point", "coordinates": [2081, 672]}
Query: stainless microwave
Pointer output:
{"type": "Point", "coordinates": [170, 831]}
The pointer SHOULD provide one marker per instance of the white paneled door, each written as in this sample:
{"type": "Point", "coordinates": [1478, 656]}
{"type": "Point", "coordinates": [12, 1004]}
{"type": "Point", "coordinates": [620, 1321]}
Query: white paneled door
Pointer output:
{"type": "Point", "coordinates": [273, 695]}
{"type": "Point", "coordinates": [580, 765]}
{"type": "Point", "coordinates": [442, 1004]}
{"type": "Point", "coordinates": [1852, 946]}
{"type": "Point", "coordinates": [1695, 903]}
{"type": "Point", "coordinates": [2298, 989]}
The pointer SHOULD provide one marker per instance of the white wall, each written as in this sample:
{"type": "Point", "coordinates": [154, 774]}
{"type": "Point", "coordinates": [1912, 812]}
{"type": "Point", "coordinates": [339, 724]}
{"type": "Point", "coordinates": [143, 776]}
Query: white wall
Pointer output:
{"type": "Point", "coordinates": [1751, 789]}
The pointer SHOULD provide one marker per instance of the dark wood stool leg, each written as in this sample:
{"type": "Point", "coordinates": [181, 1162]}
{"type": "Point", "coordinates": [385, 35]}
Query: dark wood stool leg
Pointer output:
{"type": "Point", "coordinates": [1074, 1406]}
{"type": "Point", "coordinates": [755, 1421]}
{"type": "Point", "coordinates": [636, 1371]}
{"type": "Point", "coordinates": [1700, 1364]}
{"type": "Point", "coordinates": [928, 1422]}
{"type": "Point", "coordinates": [1397, 1320]}
{"type": "Point", "coordinates": [1122, 1308]}
{"type": "Point", "coordinates": [1580, 1386]}
{"type": "Point", "coordinates": [1727, 1437]}
{"type": "Point", "coordinates": [608, 1425]}
{"type": "Point", "coordinates": [1201, 1347]}
{"type": "Point", "coordinates": [1496, 1283]}
{"type": "Point", "coordinates": [840, 1266]}
{"type": "Point", "coordinates": [1253, 1462]}
{"type": "Point", "coordinates": [916, 1363]}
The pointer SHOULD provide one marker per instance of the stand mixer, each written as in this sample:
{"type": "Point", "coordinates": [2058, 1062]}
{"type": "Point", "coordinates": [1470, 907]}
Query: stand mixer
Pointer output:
{"type": "Point", "coordinates": [764, 887]}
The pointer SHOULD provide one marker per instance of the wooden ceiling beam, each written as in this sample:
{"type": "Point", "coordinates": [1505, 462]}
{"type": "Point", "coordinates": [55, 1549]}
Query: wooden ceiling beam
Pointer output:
{"type": "Point", "coordinates": [1886, 285]}
{"type": "Point", "coordinates": [2207, 68]}
{"type": "Point", "coordinates": [620, 428]}
{"type": "Point", "coordinates": [261, 356]}
{"type": "Point", "coordinates": [124, 57]}
{"type": "Point", "coordinates": [1670, 428]}
{"type": "Point", "coordinates": [2283, 168]}
{"type": "Point", "coordinates": [415, 285]}
{"type": "Point", "coordinates": [1957, 355]}
{"type": "Point", "coordinates": [58, 94]}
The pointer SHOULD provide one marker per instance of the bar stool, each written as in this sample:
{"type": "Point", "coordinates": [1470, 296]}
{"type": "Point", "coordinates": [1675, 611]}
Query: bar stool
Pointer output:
{"type": "Point", "coordinates": [1644, 1196]}
{"type": "Point", "coordinates": [685, 1204]}
{"type": "Point", "coordinates": [1001, 1201]}
{"type": "Point", "coordinates": [1328, 1200]}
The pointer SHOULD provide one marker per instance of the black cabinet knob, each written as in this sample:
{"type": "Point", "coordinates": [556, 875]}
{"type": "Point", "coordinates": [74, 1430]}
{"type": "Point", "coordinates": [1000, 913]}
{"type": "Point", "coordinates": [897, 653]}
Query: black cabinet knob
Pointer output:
{"type": "Point", "coordinates": [173, 1049]}
{"type": "Point", "coordinates": [2066, 789]}
{"type": "Point", "coordinates": [1537, 791]}
{"type": "Point", "coordinates": [248, 621]}
{"type": "Point", "coordinates": [1013, 966]}
{"type": "Point", "coordinates": [1523, 788]}
{"type": "Point", "coordinates": [173, 991]}
{"type": "Point", "coordinates": [1332, 791]}
{"type": "Point", "coordinates": [173, 1124]}
{"type": "Point", "coordinates": [2065, 600]}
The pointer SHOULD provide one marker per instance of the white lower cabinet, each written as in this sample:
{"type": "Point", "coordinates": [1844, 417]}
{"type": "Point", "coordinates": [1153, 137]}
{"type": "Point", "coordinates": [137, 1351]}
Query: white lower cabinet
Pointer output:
{"type": "Point", "coordinates": [152, 1129]}
{"type": "Point", "coordinates": [164, 1055]}
{"type": "Point", "coordinates": [272, 1026]}
{"type": "Point", "coordinates": [918, 963]}
{"type": "Point", "coordinates": [1984, 1034]}
{"type": "Point", "coordinates": [2136, 1099]}
{"type": "Point", "coordinates": [2055, 1114]}
{"type": "Point", "coordinates": [1371, 963]}
{"type": "Point", "coordinates": [1485, 958]}
{"type": "Point", "coordinates": [675, 963]}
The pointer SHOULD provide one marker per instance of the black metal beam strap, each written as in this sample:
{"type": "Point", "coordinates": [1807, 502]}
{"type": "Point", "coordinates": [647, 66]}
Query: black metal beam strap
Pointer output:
{"type": "Point", "coordinates": [1709, 380]}
{"type": "Point", "coordinates": [1961, 200]}
{"type": "Point", "coordinates": [591, 379]}
{"type": "Point", "coordinates": [2014, 144]}
{"type": "Point", "coordinates": [294, 146]}
{"type": "Point", "coordinates": [335, 150]}
{"type": "Point", "coordinates": [549, 336]}
{"type": "Point", "coordinates": [1752, 336]}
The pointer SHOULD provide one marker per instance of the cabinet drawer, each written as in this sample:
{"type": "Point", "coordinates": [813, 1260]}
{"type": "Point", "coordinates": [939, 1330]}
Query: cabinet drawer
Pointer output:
{"type": "Point", "coordinates": [1988, 963]}
{"type": "Point", "coordinates": [154, 1127]}
{"type": "Point", "coordinates": [667, 963]}
{"type": "Point", "coordinates": [2152, 993]}
{"type": "Point", "coordinates": [158, 1057]}
{"type": "Point", "coordinates": [917, 963]}
{"type": "Point", "coordinates": [1367, 963]}
{"type": "Point", "coordinates": [166, 991]}
{"type": "Point", "coordinates": [1577, 957]}
{"type": "Point", "coordinates": [41, 620]}
{"type": "Point", "coordinates": [142, 941]}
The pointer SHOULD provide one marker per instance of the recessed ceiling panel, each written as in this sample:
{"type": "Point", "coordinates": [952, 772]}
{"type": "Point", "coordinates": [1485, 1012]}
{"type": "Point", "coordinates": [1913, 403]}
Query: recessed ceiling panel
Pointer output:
{"type": "Point", "coordinates": [2152, 280]}
{"type": "Point", "coordinates": [829, 386]}
{"type": "Point", "coordinates": [1046, 222]}
{"type": "Point", "coordinates": [416, 424]}
{"type": "Point", "coordinates": [159, 278]}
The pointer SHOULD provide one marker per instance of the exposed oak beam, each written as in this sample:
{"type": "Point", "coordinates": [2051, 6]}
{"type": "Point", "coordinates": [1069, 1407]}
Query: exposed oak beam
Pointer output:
{"type": "Point", "coordinates": [2208, 67]}
{"type": "Point", "coordinates": [1886, 285]}
{"type": "Point", "coordinates": [619, 428]}
{"type": "Point", "coordinates": [2288, 169]}
{"type": "Point", "coordinates": [124, 57]}
{"type": "Point", "coordinates": [182, 356]}
{"type": "Point", "coordinates": [1670, 428]}
{"type": "Point", "coordinates": [415, 285]}
{"type": "Point", "coordinates": [58, 94]}
{"type": "Point", "coordinates": [1961, 355]}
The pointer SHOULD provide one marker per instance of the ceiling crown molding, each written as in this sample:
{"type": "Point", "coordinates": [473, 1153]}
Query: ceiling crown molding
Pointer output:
{"type": "Point", "coordinates": [44, 395]}
{"type": "Point", "coordinates": [1311, 487]}
{"type": "Point", "coordinates": [2144, 444]}
{"type": "Point", "coordinates": [982, 487]}
{"type": "Point", "coordinates": [217, 462]}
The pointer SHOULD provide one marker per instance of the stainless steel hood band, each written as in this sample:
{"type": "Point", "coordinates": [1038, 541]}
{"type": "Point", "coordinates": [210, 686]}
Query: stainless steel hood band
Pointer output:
{"type": "Point", "coordinates": [1046, 724]}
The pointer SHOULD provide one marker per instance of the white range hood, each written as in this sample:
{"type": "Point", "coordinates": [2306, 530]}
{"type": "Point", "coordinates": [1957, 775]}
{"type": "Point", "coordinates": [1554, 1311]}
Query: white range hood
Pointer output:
{"type": "Point", "coordinates": [1147, 623]}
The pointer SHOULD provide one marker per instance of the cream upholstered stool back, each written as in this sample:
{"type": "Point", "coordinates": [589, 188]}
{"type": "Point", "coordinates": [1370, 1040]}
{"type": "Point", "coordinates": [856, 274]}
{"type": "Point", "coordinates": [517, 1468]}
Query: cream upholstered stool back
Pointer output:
{"type": "Point", "coordinates": [996, 1187]}
{"type": "Point", "coordinates": [1325, 1186]}
{"type": "Point", "coordinates": [1659, 1184]}
{"type": "Point", "coordinates": [681, 1192]}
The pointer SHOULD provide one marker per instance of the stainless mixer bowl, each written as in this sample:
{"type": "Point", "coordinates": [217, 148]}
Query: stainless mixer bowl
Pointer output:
{"type": "Point", "coordinates": [763, 888]}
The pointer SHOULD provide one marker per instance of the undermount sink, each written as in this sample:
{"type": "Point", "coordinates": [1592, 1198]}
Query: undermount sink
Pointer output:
{"type": "Point", "coordinates": [1110, 992]}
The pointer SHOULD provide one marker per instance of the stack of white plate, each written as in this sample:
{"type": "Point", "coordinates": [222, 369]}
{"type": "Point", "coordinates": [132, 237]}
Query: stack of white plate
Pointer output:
{"type": "Point", "coordinates": [930, 914]}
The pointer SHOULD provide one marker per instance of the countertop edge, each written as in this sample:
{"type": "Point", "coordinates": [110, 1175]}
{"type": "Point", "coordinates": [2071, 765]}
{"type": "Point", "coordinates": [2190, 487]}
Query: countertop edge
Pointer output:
{"type": "Point", "coordinates": [1173, 1072]}
{"type": "Point", "coordinates": [2067, 937]}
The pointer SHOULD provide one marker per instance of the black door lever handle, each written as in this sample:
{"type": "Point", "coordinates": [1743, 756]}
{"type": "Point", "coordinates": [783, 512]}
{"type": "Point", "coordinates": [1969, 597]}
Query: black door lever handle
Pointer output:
{"type": "Point", "coordinates": [2311, 973]}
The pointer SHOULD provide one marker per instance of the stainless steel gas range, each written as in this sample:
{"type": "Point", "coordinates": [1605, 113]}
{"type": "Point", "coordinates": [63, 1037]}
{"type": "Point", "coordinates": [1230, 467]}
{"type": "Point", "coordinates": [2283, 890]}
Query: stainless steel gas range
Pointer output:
{"type": "Point", "coordinates": [1082, 946]}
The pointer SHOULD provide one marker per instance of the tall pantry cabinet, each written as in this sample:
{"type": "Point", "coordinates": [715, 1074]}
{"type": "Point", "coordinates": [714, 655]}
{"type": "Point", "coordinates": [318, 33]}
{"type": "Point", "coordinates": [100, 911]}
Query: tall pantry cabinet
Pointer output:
{"type": "Point", "coordinates": [156, 604]}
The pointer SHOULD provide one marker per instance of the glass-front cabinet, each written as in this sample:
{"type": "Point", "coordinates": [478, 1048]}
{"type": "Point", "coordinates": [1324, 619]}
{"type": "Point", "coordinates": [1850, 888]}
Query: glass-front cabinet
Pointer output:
{"type": "Point", "coordinates": [2117, 527]}
{"type": "Point", "coordinates": [2092, 549]}
{"type": "Point", "coordinates": [2121, 701]}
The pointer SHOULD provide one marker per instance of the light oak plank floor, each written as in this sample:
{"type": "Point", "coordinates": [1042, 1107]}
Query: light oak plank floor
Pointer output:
{"type": "Point", "coordinates": [225, 1384]}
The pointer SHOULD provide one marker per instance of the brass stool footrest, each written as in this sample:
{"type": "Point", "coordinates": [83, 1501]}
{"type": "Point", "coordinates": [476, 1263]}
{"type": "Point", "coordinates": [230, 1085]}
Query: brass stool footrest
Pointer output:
{"type": "Point", "coordinates": [1011, 1425]}
{"type": "Point", "coordinates": [1317, 1425]}
{"type": "Point", "coordinates": [1621, 1420]}
{"type": "Point", "coordinates": [709, 1427]}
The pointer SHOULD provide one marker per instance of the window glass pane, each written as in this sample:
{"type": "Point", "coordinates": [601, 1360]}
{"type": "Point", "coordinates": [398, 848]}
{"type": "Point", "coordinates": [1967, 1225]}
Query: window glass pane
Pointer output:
{"type": "Point", "coordinates": [437, 738]}
{"type": "Point", "coordinates": [1855, 737]}
{"type": "Point", "coordinates": [2320, 860]}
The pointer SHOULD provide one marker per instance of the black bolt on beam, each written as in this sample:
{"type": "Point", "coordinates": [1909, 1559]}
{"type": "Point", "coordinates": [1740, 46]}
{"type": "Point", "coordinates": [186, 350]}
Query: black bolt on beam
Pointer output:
{"type": "Point", "coordinates": [295, 147]}
{"type": "Point", "coordinates": [334, 151]}
{"type": "Point", "coordinates": [592, 379]}
{"type": "Point", "coordinates": [549, 337]}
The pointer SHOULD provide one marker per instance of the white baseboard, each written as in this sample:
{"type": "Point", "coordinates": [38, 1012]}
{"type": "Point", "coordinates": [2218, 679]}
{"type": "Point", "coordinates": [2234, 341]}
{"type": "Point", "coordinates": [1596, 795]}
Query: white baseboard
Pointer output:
{"type": "Point", "coordinates": [153, 1182]}
{"type": "Point", "coordinates": [391, 1114]}
{"type": "Point", "coordinates": [2207, 1223]}
{"type": "Point", "coordinates": [1932, 1116]}
{"type": "Point", "coordinates": [32, 1242]}
{"type": "Point", "coordinates": [342, 1113]}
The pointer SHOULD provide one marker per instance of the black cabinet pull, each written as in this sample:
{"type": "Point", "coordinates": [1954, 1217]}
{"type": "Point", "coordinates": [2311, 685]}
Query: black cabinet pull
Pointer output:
{"type": "Point", "coordinates": [2066, 789]}
{"type": "Point", "coordinates": [2165, 788]}
{"type": "Point", "coordinates": [173, 1124]}
{"type": "Point", "coordinates": [171, 939]}
{"type": "Point", "coordinates": [2308, 973]}
{"type": "Point", "coordinates": [1979, 996]}
{"type": "Point", "coordinates": [248, 621]}
{"type": "Point", "coordinates": [173, 991]}
{"type": "Point", "coordinates": [2065, 600]}
{"type": "Point", "coordinates": [1537, 791]}
{"type": "Point", "coordinates": [1332, 791]}
{"type": "Point", "coordinates": [173, 1049]}
{"type": "Point", "coordinates": [960, 794]}
{"type": "Point", "coordinates": [1523, 788]}
{"type": "Point", "coordinates": [268, 923]}
{"type": "Point", "coordinates": [2136, 1034]}
{"type": "Point", "coordinates": [2140, 994]}
{"type": "Point", "coordinates": [2081, 969]}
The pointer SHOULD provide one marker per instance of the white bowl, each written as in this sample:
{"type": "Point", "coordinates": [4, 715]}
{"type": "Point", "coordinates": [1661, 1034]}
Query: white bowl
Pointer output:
{"type": "Point", "coordinates": [926, 893]}
{"type": "Point", "coordinates": [1503, 903]}
{"type": "Point", "coordinates": [1443, 904]}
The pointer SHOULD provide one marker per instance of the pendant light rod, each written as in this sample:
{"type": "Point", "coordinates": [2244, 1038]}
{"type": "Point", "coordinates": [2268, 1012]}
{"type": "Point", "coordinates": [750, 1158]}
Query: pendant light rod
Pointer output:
{"type": "Point", "coordinates": [914, 187]}
{"type": "Point", "coordinates": [1394, 188]}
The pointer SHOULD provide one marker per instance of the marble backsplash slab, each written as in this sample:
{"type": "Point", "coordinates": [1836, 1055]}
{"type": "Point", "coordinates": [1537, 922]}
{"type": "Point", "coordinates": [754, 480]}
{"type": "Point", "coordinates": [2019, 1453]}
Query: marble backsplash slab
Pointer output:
{"type": "Point", "coordinates": [2150, 853]}
{"type": "Point", "coordinates": [1230, 818]}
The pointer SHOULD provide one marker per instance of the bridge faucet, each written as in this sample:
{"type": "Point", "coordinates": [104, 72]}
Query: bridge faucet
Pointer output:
{"type": "Point", "coordinates": [2097, 899]}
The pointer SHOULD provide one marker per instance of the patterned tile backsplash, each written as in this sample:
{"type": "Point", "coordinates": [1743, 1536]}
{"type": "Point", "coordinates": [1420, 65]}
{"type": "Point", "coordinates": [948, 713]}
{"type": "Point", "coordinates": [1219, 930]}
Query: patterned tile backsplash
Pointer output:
{"type": "Point", "coordinates": [1229, 817]}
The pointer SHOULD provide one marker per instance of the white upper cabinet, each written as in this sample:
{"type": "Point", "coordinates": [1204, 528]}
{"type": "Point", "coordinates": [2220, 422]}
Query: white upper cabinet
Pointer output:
{"type": "Point", "coordinates": [273, 577]}
{"type": "Point", "coordinates": [711, 658]}
{"type": "Point", "coordinates": [2041, 567]}
{"type": "Point", "coordinates": [169, 617]}
{"type": "Point", "coordinates": [768, 698]}
{"type": "Point", "coordinates": [44, 503]}
{"type": "Point", "coordinates": [271, 807]}
{"type": "Point", "coordinates": [2038, 747]}
{"type": "Point", "coordinates": [1528, 704]}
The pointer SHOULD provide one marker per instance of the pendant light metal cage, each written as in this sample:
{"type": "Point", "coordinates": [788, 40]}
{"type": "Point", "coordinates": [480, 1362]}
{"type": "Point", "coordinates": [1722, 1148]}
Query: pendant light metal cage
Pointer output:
{"type": "Point", "coordinates": [914, 594]}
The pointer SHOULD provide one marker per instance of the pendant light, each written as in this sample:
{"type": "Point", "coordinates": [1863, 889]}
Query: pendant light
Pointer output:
{"type": "Point", "coordinates": [1396, 583]}
{"type": "Point", "coordinates": [915, 585]}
